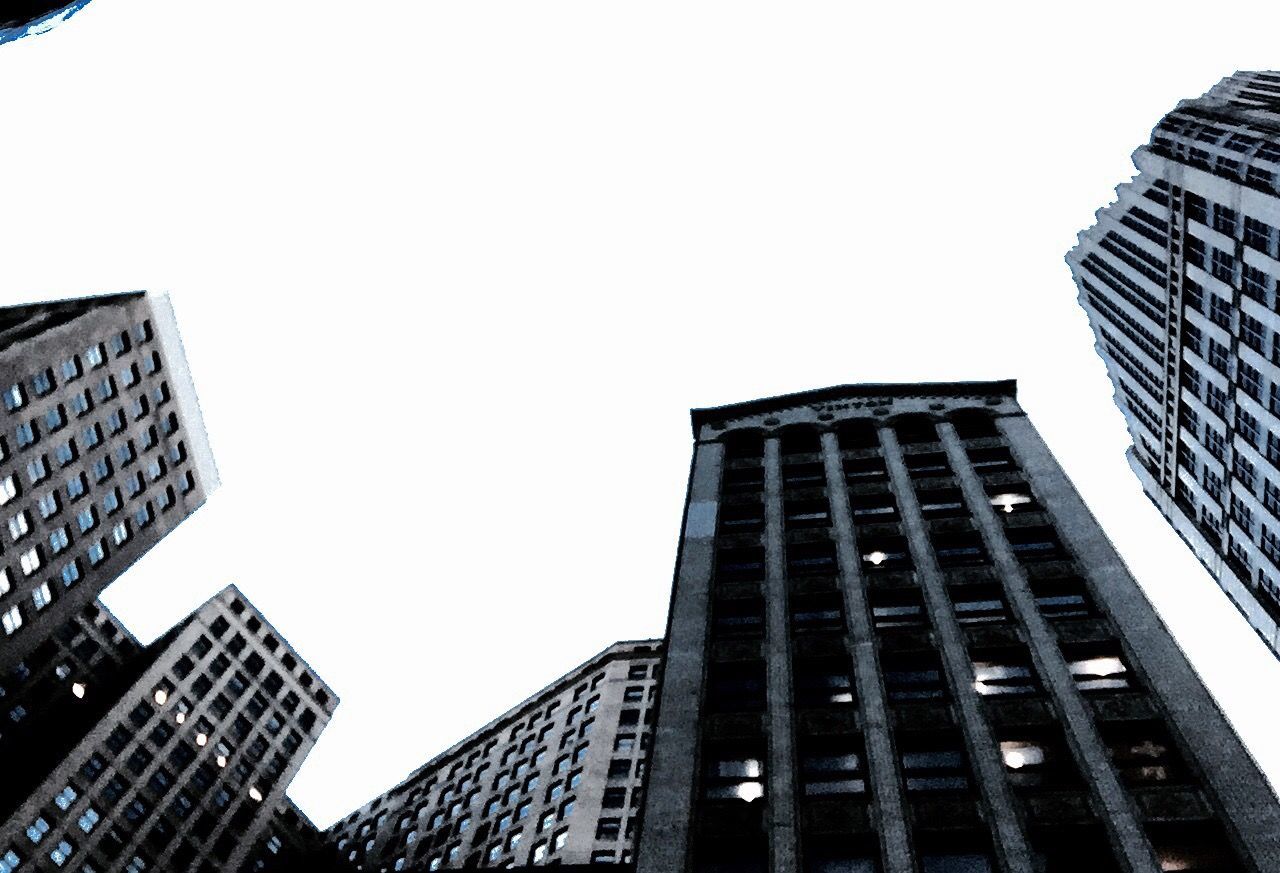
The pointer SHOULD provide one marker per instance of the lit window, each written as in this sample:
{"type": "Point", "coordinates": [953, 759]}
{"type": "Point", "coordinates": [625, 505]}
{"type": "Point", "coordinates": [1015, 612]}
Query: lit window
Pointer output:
{"type": "Point", "coordinates": [735, 778]}
{"type": "Point", "coordinates": [95, 355]}
{"type": "Point", "coordinates": [5, 583]}
{"type": "Point", "coordinates": [41, 596]}
{"type": "Point", "coordinates": [30, 561]}
{"type": "Point", "coordinates": [1105, 673]}
{"type": "Point", "coordinates": [59, 540]}
{"type": "Point", "coordinates": [8, 490]}
{"type": "Point", "coordinates": [19, 526]}
{"type": "Point", "coordinates": [992, 678]}
{"type": "Point", "coordinates": [97, 553]}
{"type": "Point", "coordinates": [89, 820]}
{"type": "Point", "coordinates": [120, 533]}
{"type": "Point", "coordinates": [11, 620]}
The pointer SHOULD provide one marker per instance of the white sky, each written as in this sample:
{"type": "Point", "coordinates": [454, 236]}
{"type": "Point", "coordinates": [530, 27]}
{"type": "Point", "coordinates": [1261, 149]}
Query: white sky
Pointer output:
{"type": "Point", "coordinates": [450, 275]}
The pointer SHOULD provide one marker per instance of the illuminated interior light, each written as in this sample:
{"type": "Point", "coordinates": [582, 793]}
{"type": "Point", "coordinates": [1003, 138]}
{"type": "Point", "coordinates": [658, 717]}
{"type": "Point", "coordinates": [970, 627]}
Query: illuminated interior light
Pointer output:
{"type": "Point", "coordinates": [255, 793]}
{"type": "Point", "coordinates": [180, 717]}
{"type": "Point", "coordinates": [222, 760]}
{"type": "Point", "coordinates": [161, 696]}
{"type": "Point", "coordinates": [876, 558]}
{"type": "Point", "coordinates": [201, 739]}
{"type": "Point", "coordinates": [1019, 754]}
{"type": "Point", "coordinates": [78, 689]}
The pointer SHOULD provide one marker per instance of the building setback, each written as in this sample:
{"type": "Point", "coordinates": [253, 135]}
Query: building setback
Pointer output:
{"type": "Point", "coordinates": [291, 842]}
{"type": "Point", "coordinates": [102, 452]}
{"type": "Point", "coordinates": [557, 779]}
{"type": "Point", "coordinates": [185, 768]}
{"type": "Point", "coordinates": [899, 642]}
{"type": "Point", "coordinates": [1178, 278]}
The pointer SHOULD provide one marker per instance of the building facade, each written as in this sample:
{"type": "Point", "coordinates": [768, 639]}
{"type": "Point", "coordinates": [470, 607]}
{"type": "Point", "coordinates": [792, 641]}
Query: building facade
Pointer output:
{"type": "Point", "coordinates": [185, 768]}
{"type": "Point", "coordinates": [1179, 279]}
{"type": "Point", "coordinates": [557, 779]}
{"type": "Point", "coordinates": [899, 642]}
{"type": "Point", "coordinates": [62, 688]}
{"type": "Point", "coordinates": [102, 452]}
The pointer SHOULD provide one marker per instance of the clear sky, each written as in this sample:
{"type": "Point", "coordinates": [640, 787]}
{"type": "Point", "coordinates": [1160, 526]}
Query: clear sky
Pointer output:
{"type": "Point", "coordinates": [450, 275]}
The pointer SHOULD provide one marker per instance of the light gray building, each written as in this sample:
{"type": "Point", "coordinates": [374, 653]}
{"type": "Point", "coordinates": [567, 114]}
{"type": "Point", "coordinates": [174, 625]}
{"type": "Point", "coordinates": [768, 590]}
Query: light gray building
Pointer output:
{"type": "Point", "coordinates": [899, 642]}
{"type": "Point", "coordinates": [1178, 278]}
{"type": "Point", "coordinates": [555, 780]}
{"type": "Point", "coordinates": [102, 452]}
{"type": "Point", "coordinates": [183, 769]}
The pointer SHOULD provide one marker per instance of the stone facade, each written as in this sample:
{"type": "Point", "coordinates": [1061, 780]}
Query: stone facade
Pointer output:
{"type": "Point", "coordinates": [899, 642]}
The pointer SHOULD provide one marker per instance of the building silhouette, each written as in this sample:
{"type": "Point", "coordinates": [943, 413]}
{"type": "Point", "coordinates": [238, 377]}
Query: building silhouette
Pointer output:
{"type": "Point", "coordinates": [898, 641]}
{"type": "Point", "coordinates": [1178, 278]}
{"type": "Point", "coordinates": [102, 452]}
{"type": "Point", "coordinates": [557, 779]}
{"type": "Point", "coordinates": [186, 759]}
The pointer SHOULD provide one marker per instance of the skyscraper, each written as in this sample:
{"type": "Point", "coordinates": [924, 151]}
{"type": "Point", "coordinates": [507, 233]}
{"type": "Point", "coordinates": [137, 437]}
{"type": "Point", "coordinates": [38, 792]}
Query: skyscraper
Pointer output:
{"type": "Point", "coordinates": [899, 642]}
{"type": "Point", "coordinates": [1178, 278]}
{"type": "Point", "coordinates": [183, 768]}
{"type": "Point", "coordinates": [557, 779]}
{"type": "Point", "coordinates": [102, 452]}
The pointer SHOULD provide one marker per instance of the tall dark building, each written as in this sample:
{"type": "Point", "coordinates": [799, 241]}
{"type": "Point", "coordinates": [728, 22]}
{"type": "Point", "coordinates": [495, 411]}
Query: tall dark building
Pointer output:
{"type": "Point", "coordinates": [102, 452]}
{"type": "Point", "coordinates": [557, 779]}
{"type": "Point", "coordinates": [1178, 278]}
{"type": "Point", "coordinates": [183, 765]}
{"type": "Point", "coordinates": [899, 642]}
{"type": "Point", "coordinates": [58, 694]}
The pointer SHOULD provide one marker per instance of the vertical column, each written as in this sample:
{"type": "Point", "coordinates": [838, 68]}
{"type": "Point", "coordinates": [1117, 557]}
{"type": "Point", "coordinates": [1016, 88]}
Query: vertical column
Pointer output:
{"type": "Point", "coordinates": [1009, 841]}
{"type": "Point", "coordinates": [1248, 803]}
{"type": "Point", "coordinates": [886, 789]}
{"type": "Point", "coordinates": [665, 845]}
{"type": "Point", "coordinates": [781, 798]}
{"type": "Point", "coordinates": [1076, 721]}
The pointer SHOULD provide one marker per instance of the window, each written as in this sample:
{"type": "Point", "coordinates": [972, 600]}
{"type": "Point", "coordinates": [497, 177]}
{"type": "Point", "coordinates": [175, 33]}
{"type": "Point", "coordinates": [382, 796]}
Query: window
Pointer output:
{"type": "Point", "coordinates": [27, 434]}
{"type": "Point", "coordinates": [14, 398]}
{"type": "Point", "coordinates": [823, 682]}
{"type": "Point", "coordinates": [734, 776]}
{"type": "Point", "coordinates": [59, 540]}
{"type": "Point", "coordinates": [1003, 675]}
{"type": "Point", "coordinates": [1104, 671]}
{"type": "Point", "coordinates": [939, 766]}
{"type": "Point", "coordinates": [19, 526]}
{"type": "Point", "coordinates": [8, 489]}
{"type": "Point", "coordinates": [832, 769]}
{"type": "Point", "coordinates": [913, 678]}
{"type": "Point", "coordinates": [41, 597]}
{"type": "Point", "coordinates": [11, 620]}
{"type": "Point", "coordinates": [30, 561]}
